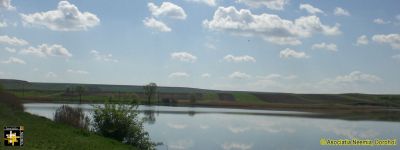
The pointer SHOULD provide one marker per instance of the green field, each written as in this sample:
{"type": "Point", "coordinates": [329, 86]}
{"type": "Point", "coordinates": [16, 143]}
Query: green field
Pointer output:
{"type": "Point", "coordinates": [210, 96]}
{"type": "Point", "coordinates": [246, 98]}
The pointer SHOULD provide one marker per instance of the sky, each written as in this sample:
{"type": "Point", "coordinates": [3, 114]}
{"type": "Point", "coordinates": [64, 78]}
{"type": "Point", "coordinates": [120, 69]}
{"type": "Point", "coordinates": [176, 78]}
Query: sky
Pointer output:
{"type": "Point", "coordinates": [310, 46]}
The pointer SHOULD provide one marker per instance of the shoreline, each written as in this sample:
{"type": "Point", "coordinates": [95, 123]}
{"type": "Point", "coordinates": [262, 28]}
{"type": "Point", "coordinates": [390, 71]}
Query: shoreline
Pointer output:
{"type": "Point", "coordinates": [345, 112]}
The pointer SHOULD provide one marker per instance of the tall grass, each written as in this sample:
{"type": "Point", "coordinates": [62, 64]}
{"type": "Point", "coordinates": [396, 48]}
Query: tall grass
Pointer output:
{"type": "Point", "coordinates": [72, 116]}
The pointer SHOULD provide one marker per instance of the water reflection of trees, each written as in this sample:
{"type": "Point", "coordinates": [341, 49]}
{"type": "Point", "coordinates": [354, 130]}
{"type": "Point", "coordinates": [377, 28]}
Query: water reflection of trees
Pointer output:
{"type": "Point", "coordinates": [191, 113]}
{"type": "Point", "coordinates": [149, 114]}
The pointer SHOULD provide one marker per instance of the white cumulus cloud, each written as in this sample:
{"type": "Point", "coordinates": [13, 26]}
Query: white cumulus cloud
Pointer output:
{"type": "Point", "coordinates": [45, 50]}
{"type": "Point", "coordinates": [67, 17]}
{"type": "Point", "coordinates": [167, 9]}
{"type": "Point", "coordinates": [238, 59]}
{"type": "Point", "coordinates": [353, 77]}
{"type": "Point", "coordinates": [183, 56]}
{"type": "Point", "coordinates": [13, 60]}
{"type": "Point", "coordinates": [341, 12]}
{"type": "Point", "coordinates": [103, 57]}
{"type": "Point", "coordinates": [362, 40]}
{"type": "Point", "coordinates": [6, 5]}
{"type": "Point", "coordinates": [392, 39]}
{"type": "Point", "coordinates": [239, 75]}
{"type": "Point", "coordinates": [11, 50]}
{"type": "Point", "coordinates": [156, 24]}
{"type": "Point", "coordinates": [326, 46]}
{"type": "Point", "coordinates": [271, 4]}
{"type": "Point", "coordinates": [310, 9]}
{"type": "Point", "coordinates": [277, 76]}
{"type": "Point", "coordinates": [77, 71]}
{"type": "Point", "coordinates": [288, 53]}
{"type": "Point", "coordinates": [270, 27]}
{"type": "Point", "coordinates": [5, 39]}
{"type": "Point", "coordinates": [380, 21]}
{"type": "Point", "coordinates": [207, 2]}
{"type": "Point", "coordinates": [179, 75]}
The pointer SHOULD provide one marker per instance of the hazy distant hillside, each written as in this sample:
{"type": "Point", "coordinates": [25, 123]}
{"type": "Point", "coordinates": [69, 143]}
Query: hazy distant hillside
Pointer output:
{"type": "Point", "coordinates": [12, 84]}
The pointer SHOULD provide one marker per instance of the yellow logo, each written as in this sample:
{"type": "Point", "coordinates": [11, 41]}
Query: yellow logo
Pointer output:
{"type": "Point", "coordinates": [322, 141]}
{"type": "Point", "coordinates": [14, 136]}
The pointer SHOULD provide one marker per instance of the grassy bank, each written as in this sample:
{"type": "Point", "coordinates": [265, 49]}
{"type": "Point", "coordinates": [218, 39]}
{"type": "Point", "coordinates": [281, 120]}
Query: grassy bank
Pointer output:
{"type": "Point", "coordinates": [42, 133]}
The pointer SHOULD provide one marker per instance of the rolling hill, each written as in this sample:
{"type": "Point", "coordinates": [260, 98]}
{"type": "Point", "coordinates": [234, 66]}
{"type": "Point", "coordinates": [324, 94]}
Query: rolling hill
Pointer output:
{"type": "Point", "coordinates": [205, 95]}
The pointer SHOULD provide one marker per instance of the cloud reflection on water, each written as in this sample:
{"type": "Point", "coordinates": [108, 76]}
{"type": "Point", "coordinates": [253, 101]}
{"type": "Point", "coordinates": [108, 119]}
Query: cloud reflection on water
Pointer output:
{"type": "Point", "coordinates": [181, 144]}
{"type": "Point", "coordinates": [236, 146]}
{"type": "Point", "coordinates": [238, 129]}
{"type": "Point", "coordinates": [204, 126]}
{"type": "Point", "coordinates": [176, 125]}
{"type": "Point", "coordinates": [349, 131]}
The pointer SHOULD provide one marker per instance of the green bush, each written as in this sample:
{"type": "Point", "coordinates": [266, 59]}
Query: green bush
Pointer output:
{"type": "Point", "coordinates": [121, 122]}
{"type": "Point", "coordinates": [11, 101]}
{"type": "Point", "coordinates": [72, 116]}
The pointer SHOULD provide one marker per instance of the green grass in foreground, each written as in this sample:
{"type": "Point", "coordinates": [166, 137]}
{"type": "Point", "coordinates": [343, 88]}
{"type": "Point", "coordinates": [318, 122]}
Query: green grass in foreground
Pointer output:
{"type": "Point", "coordinates": [246, 98]}
{"type": "Point", "coordinates": [42, 133]}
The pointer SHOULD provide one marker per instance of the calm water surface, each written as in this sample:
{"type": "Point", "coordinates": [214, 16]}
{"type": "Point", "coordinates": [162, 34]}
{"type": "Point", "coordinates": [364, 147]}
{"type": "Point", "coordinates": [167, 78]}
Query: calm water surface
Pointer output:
{"type": "Point", "coordinates": [238, 129]}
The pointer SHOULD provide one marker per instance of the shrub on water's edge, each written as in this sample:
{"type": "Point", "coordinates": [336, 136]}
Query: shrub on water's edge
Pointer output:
{"type": "Point", "coordinates": [72, 116]}
{"type": "Point", "coordinates": [121, 122]}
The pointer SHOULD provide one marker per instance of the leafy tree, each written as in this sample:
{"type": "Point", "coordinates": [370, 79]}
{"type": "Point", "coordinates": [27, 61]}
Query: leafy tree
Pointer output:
{"type": "Point", "coordinates": [121, 122]}
{"type": "Point", "coordinates": [150, 90]}
{"type": "Point", "coordinates": [193, 98]}
{"type": "Point", "coordinates": [80, 90]}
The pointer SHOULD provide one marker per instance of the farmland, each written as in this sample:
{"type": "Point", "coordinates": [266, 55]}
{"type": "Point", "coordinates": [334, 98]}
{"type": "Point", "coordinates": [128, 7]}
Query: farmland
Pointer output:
{"type": "Point", "coordinates": [348, 103]}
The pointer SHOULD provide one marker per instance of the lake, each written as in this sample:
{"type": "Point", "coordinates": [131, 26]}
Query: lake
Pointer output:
{"type": "Point", "coordinates": [239, 129]}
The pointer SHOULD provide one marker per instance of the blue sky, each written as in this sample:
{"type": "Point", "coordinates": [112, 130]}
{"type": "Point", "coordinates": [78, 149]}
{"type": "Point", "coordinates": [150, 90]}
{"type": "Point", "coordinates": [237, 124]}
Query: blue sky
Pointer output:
{"type": "Point", "coordinates": [257, 45]}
